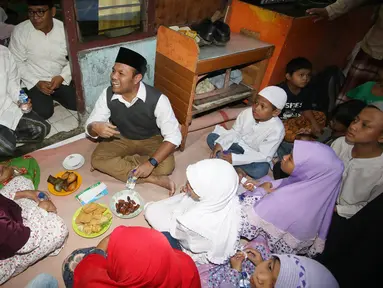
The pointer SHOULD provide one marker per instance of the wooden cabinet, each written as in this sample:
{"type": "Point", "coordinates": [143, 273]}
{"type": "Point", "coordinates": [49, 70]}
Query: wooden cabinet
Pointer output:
{"type": "Point", "coordinates": [181, 64]}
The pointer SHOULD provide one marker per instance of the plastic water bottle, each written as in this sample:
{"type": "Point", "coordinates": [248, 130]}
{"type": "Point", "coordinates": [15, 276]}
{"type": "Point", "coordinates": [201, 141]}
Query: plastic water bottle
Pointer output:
{"type": "Point", "coordinates": [131, 182]}
{"type": "Point", "coordinates": [23, 100]}
{"type": "Point", "coordinates": [42, 196]}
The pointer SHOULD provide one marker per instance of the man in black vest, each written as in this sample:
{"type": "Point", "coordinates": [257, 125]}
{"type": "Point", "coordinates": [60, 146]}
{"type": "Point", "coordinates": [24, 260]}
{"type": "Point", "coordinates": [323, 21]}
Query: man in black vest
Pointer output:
{"type": "Point", "coordinates": [139, 129]}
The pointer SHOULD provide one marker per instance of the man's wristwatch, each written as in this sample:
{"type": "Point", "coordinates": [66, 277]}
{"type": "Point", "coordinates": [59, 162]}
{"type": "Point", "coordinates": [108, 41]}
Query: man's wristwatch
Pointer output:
{"type": "Point", "coordinates": [153, 162]}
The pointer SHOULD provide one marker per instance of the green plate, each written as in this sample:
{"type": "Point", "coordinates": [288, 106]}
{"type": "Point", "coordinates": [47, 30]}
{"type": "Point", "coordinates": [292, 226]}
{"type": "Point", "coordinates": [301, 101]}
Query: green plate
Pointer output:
{"type": "Point", "coordinates": [105, 227]}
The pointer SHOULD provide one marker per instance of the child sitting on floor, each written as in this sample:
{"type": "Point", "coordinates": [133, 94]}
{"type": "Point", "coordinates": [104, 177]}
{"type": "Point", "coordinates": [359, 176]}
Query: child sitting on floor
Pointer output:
{"type": "Point", "coordinates": [342, 116]}
{"type": "Point", "coordinates": [256, 267]}
{"type": "Point", "coordinates": [368, 92]}
{"type": "Point", "coordinates": [255, 136]}
{"type": "Point", "coordinates": [361, 152]}
{"type": "Point", "coordinates": [298, 113]}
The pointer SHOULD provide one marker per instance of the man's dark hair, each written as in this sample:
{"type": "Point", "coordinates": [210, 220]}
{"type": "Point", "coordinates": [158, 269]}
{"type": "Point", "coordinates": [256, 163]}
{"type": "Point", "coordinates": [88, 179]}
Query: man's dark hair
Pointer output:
{"type": "Point", "coordinates": [298, 63]}
{"type": "Point", "coordinates": [49, 3]}
{"type": "Point", "coordinates": [346, 112]}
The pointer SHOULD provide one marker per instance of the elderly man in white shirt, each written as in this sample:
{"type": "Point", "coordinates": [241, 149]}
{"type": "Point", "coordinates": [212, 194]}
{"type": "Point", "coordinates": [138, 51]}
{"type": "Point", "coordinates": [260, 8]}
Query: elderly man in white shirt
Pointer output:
{"type": "Point", "coordinates": [138, 125]}
{"type": "Point", "coordinates": [15, 127]}
{"type": "Point", "coordinates": [40, 49]}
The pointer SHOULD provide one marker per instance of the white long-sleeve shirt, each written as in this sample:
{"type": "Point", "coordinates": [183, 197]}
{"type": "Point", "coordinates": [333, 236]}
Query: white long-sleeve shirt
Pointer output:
{"type": "Point", "coordinates": [10, 113]}
{"type": "Point", "coordinates": [373, 41]}
{"type": "Point", "coordinates": [165, 118]}
{"type": "Point", "coordinates": [259, 140]}
{"type": "Point", "coordinates": [362, 179]}
{"type": "Point", "coordinates": [40, 56]}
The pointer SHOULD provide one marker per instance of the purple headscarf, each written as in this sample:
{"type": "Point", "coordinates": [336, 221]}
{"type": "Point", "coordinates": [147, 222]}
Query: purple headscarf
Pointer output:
{"type": "Point", "coordinates": [300, 209]}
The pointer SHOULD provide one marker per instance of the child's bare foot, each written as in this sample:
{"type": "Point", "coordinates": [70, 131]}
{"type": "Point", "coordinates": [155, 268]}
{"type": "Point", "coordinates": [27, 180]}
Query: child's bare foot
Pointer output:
{"type": "Point", "coordinates": [163, 181]}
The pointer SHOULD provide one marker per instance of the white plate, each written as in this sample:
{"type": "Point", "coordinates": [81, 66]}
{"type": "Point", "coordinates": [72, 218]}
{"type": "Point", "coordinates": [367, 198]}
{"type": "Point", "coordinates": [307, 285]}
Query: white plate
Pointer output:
{"type": "Point", "coordinates": [123, 195]}
{"type": "Point", "coordinates": [73, 162]}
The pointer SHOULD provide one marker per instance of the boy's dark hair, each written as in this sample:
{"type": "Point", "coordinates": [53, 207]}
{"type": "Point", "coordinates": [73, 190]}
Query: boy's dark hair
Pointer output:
{"type": "Point", "coordinates": [346, 112]}
{"type": "Point", "coordinates": [49, 3]}
{"type": "Point", "coordinates": [298, 63]}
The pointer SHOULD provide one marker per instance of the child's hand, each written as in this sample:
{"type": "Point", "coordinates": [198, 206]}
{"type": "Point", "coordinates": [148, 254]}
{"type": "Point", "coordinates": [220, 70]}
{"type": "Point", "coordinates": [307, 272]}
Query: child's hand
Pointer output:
{"type": "Point", "coordinates": [227, 157]}
{"type": "Point", "coordinates": [217, 148]}
{"type": "Point", "coordinates": [250, 184]}
{"type": "Point", "coordinates": [267, 186]}
{"type": "Point", "coordinates": [254, 256]}
{"type": "Point", "coordinates": [237, 260]}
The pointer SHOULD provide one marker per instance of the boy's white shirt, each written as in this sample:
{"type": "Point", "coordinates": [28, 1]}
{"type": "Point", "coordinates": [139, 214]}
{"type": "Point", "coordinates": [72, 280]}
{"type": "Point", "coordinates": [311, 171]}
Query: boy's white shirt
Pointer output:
{"type": "Point", "coordinates": [259, 140]}
{"type": "Point", "coordinates": [362, 179]}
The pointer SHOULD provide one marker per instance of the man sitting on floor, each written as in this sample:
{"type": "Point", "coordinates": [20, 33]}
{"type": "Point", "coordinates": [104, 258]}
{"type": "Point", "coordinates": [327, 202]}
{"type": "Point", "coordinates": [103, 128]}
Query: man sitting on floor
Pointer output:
{"type": "Point", "coordinates": [144, 118]}
{"type": "Point", "coordinates": [15, 127]}
{"type": "Point", "coordinates": [40, 50]}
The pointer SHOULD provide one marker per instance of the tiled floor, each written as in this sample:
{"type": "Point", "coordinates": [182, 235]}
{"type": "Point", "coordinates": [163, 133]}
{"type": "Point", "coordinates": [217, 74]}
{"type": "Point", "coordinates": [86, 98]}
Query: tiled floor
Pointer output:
{"type": "Point", "coordinates": [62, 120]}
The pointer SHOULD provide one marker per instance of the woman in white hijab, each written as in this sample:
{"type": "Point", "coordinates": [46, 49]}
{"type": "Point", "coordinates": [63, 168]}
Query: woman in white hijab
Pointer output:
{"type": "Point", "coordinates": [206, 219]}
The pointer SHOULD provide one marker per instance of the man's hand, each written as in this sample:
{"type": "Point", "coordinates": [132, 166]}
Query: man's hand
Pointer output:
{"type": "Point", "coordinates": [56, 82]}
{"type": "Point", "coordinates": [144, 170]}
{"type": "Point", "coordinates": [45, 87]}
{"type": "Point", "coordinates": [217, 148]}
{"type": "Point", "coordinates": [104, 129]}
{"type": "Point", "coordinates": [227, 157]}
{"type": "Point", "coordinates": [48, 206]}
{"type": "Point", "coordinates": [320, 13]}
{"type": "Point", "coordinates": [236, 261]}
{"type": "Point", "coordinates": [254, 256]}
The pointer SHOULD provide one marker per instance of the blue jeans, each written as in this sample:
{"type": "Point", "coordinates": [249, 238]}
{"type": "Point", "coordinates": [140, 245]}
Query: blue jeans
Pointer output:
{"type": "Point", "coordinates": [172, 241]}
{"type": "Point", "coordinates": [43, 281]}
{"type": "Point", "coordinates": [255, 170]}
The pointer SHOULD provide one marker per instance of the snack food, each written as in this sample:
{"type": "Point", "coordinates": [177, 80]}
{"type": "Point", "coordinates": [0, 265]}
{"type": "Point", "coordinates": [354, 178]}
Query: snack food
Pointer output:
{"type": "Point", "coordinates": [67, 182]}
{"type": "Point", "coordinates": [126, 207]}
{"type": "Point", "coordinates": [92, 218]}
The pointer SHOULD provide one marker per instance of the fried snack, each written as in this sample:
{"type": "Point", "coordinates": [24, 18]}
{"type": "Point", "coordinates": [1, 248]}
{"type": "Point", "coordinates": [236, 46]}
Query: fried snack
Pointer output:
{"type": "Point", "coordinates": [65, 175]}
{"type": "Point", "coordinates": [88, 208]}
{"type": "Point", "coordinates": [71, 186]}
{"type": "Point", "coordinates": [71, 178]}
{"type": "Point", "coordinates": [91, 218]}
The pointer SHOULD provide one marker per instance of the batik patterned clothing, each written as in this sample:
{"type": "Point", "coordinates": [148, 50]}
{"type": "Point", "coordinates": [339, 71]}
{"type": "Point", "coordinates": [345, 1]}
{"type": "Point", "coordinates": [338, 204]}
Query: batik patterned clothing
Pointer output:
{"type": "Point", "coordinates": [223, 275]}
{"type": "Point", "coordinates": [47, 236]}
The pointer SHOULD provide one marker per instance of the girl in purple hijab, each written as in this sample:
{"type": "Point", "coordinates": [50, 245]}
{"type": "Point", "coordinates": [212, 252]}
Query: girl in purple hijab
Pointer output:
{"type": "Point", "coordinates": [294, 213]}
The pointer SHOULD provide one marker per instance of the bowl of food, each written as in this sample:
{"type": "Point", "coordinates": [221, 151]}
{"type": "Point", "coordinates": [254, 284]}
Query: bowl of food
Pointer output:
{"type": "Point", "coordinates": [92, 220]}
{"type": "Point", "coordinates": [64, 183]}
{"type": "Point", "coordinates": [126, 204]}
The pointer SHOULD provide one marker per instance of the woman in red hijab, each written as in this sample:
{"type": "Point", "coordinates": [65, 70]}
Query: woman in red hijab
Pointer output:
{"type": "Point", "coordinates": [136, 257]}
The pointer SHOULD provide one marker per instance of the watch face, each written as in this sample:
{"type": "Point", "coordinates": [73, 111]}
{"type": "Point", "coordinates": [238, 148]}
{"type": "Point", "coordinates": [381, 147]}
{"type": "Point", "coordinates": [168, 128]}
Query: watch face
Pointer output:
{"type": "Point", "coordinates": [153, 162]}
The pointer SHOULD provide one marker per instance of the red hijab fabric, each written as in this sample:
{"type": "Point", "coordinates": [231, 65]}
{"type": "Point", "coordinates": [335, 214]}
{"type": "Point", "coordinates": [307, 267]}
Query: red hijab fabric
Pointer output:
{"type": "Point", "coordinates": [137, 257]}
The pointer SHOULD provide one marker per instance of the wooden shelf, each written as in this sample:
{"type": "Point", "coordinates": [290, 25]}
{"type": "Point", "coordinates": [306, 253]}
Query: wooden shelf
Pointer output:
{"type": "Point", "coordinates": [234, 93]}
{"type": "Point", "coordinates": [181, 64]}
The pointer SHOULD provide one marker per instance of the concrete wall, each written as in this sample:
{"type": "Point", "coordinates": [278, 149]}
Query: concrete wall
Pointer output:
{"type": "Point", "coordinates": [96, 65]}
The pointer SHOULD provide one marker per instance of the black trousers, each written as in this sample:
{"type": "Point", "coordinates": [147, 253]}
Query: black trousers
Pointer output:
{"type": "Point", "coordinates": [43, 104]}
{"type": "Point", "coordinates": [31, 129]}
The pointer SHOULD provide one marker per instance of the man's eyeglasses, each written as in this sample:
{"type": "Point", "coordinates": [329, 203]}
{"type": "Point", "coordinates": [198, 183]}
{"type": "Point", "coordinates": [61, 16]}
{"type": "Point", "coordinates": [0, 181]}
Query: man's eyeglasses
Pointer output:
{"type": "Point", "coordinates": [38, 13]}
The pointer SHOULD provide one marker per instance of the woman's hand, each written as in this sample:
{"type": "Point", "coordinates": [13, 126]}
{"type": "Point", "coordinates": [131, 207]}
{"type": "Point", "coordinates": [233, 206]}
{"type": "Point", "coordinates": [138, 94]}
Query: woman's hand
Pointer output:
{"type": "Point", "coordinates": [103, 245]}
{"type": "Point", "coordinates": [254, 256]}
{"type": "Point", "coordinates": [250, 184]}
{"type": "Point", "coordinates": [48, 206]}
{"type": "Point", "coordinates": [267, 186]}
{"type": "Point", "coordinates": [237, 260]}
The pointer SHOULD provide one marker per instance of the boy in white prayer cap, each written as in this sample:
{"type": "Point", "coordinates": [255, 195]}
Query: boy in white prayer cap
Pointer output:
{"type": "Point", "coordinates": [255, 136]}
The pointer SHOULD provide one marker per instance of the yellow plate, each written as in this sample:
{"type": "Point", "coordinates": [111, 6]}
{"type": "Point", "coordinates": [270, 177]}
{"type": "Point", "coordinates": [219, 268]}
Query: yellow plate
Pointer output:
{"type": "Point", "coordinates": [63, 192]}
{"type": "Point", "coordinates": [93, 235]}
